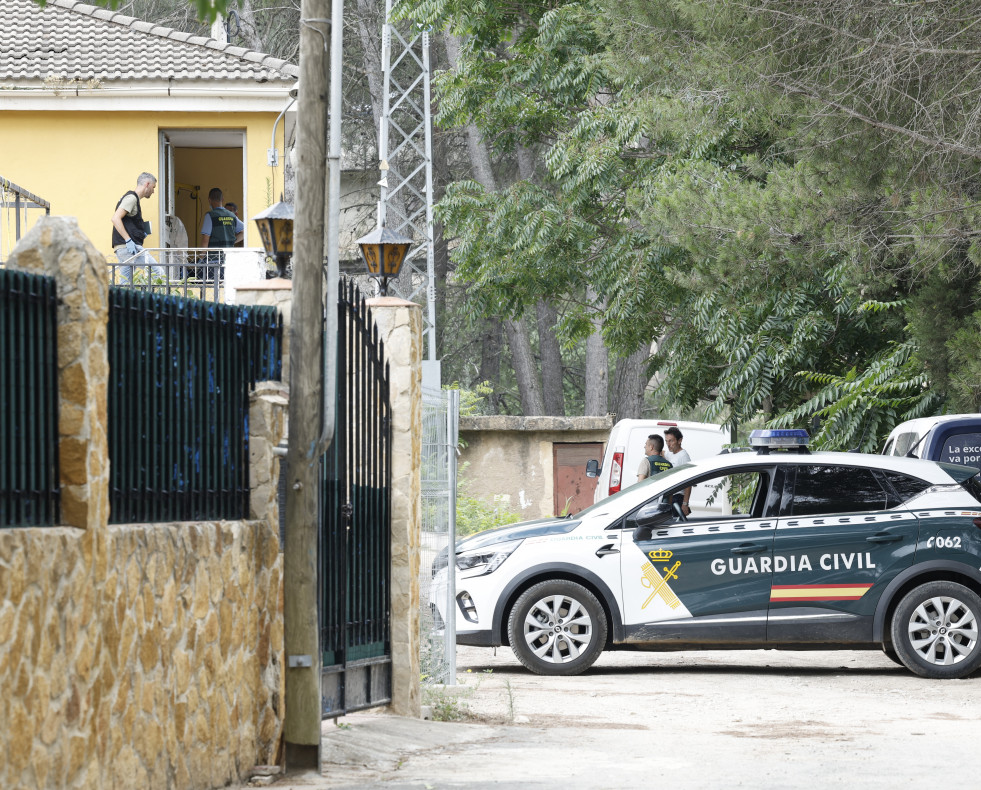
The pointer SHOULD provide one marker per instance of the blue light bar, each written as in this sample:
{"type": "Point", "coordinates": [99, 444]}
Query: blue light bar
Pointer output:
{"type": "Point", "coordinates": [779, 437]}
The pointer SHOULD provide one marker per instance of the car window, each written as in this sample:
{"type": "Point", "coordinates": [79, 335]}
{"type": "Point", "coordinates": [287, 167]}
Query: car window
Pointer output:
{"type": "Point", "coordinates": [739, 494]}
{"type": "Point", "coordinates": [820, 490]}
{"type": "Point", "coordinates": [906, 487]}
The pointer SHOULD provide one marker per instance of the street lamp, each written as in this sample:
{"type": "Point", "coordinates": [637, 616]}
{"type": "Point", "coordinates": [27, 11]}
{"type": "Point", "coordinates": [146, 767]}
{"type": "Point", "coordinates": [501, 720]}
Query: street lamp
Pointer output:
{"type": "Point", "coordinates": [276, 229]}
{"type": "Point", "coordinates": [384, 252]}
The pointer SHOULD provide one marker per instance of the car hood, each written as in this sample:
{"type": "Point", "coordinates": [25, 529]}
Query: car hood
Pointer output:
{"type": "Point", "coordinates": [519, 531]}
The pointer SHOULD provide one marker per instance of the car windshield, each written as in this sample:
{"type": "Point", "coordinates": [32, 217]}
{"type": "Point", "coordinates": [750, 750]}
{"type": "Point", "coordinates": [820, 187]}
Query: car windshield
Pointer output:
{"type": "Point", "coordinates": [610, 501]}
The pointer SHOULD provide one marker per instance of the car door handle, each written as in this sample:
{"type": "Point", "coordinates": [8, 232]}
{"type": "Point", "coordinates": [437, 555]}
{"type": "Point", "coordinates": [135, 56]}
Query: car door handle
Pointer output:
{"type": "Point", "coordinates": [607, 549]}
{"type": "Point", "coordinates": [884, 537]}
{"type": "Point", "coordinates": [748, 548]}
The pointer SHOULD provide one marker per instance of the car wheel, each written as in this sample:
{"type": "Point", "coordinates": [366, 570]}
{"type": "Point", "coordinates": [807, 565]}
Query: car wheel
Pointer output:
{"type": "Point", "coordinates": [935, 630]}
{"type": "Point", "coordinates": [557, 628]}
{"type": "Point", "coordinates": [891, 655]}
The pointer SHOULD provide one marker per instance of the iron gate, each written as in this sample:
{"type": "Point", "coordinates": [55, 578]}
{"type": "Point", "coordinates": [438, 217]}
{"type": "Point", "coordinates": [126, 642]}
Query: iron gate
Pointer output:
{"type": "Point", "coordinates": [355, 521]}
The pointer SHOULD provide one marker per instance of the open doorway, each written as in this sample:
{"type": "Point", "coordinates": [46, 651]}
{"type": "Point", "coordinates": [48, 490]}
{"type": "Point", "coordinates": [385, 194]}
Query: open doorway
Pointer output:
{"type": "Point", "coordinates": [192, 161]}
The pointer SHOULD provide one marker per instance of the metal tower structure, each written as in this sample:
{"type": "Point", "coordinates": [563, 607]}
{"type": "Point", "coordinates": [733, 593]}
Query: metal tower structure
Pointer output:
{"type": "Point", "coordinates": [405, 150]}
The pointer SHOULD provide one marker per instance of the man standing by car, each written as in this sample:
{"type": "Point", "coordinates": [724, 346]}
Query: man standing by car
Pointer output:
{"type": "Point", "coordinates": [219, 229]}
{"type": "Point", "coordinates": [653, 462]}
{"type": "Point", "coordinates": [677, 456]}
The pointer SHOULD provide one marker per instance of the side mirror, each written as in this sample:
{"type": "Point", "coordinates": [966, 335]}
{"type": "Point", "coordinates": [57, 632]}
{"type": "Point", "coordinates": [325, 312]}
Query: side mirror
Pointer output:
{"type": "Point", "coordinates": [655, 514]}
{"type": "Point", "coordinates": [592, 468]}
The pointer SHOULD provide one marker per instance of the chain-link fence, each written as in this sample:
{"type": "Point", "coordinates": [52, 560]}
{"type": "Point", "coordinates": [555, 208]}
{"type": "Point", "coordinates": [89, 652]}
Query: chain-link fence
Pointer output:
{"type": "Point", "coordinates": [440, 420]}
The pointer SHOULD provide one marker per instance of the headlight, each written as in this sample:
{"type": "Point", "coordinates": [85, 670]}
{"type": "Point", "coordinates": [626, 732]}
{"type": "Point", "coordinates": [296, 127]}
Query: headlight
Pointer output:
{"type": "Point", "coordinates": [487, 559]}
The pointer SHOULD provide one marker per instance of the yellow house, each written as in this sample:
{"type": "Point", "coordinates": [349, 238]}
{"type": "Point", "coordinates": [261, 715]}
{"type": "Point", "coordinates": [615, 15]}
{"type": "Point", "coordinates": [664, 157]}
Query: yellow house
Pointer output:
{"type": "Point", "coordinates": [90, 98]}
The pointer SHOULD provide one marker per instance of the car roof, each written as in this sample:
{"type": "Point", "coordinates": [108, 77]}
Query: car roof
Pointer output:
{"type": "Point", "coordinates": [930, 471]}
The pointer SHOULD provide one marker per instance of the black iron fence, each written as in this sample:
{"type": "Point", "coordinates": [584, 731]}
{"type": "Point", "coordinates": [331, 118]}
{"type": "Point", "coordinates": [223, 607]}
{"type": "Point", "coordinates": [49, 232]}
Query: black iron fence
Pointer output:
{"type": "Point", "coordinates": [355, 520]}
{"type": "Point", "coordinates": [180, 374]}
{"type": "Point", "coordinates": [29, 492]}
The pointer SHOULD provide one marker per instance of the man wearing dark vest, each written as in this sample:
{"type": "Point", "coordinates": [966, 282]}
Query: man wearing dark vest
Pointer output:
{"type": "Point", "coordinates": [129, 230]}
{"type": "Point", "coordinates": [219, 230]}
{"type": "Point", "coordinates": [653, 462]}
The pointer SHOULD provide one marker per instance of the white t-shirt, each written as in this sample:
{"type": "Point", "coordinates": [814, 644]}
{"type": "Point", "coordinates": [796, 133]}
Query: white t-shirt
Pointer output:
{"type": "Point", "coordinates": [678, 458]}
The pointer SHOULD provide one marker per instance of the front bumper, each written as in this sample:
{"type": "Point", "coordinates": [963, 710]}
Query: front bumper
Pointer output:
{"type": "Point", "coordinates": [477, 639]}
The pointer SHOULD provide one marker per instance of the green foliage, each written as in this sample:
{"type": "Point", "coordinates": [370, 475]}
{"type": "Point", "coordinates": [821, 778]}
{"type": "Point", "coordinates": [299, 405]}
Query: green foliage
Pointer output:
{"type": "Point", "coordinates": [789, 258]}
{"type": "Point", "coordinates": [858, 409]}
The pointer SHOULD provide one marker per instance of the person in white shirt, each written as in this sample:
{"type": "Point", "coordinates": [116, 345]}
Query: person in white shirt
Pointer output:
{"type": "Point", "coordinates": [677, 456]}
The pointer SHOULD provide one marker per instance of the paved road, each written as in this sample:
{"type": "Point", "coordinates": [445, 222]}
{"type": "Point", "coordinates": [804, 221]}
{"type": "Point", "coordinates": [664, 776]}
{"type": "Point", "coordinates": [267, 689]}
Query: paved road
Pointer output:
{"type": "Point", "coordinates": [754, 719]}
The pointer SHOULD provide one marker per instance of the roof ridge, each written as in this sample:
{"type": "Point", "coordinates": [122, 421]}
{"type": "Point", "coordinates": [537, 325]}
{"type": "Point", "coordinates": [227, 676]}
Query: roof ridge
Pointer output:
{"type": "Point", "coordinates": [161, 31]}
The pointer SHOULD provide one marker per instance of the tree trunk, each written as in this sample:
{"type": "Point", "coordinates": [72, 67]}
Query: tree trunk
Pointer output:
{"type": "Point", "coordinates": [532, 403]}
{"type": "Point", "coordinates": [596, 386]}
{"type": "Point", "coordinates": [490, 361]}
{"type": "Point", "coordinates": [548, 348]}
{"type": "Point", "coordinates": [629, 382]}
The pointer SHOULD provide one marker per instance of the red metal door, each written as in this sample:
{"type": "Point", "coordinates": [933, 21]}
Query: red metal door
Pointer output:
{"type": "Point", "coordinates": [573, 490]}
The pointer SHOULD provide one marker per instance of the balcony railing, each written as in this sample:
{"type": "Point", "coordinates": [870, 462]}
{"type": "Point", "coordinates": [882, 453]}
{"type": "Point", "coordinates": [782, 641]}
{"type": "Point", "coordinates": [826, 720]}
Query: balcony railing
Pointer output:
{"type": "Point", "coordinates": [212, 275]}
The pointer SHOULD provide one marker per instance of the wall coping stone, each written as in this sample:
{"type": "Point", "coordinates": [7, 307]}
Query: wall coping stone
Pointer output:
{"type": "Point", "coordinates": [500, 422]}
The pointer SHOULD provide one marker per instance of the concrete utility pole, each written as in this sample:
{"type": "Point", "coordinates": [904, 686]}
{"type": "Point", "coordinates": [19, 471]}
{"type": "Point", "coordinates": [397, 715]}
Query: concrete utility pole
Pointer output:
{"type": "Point", "coordinates": [301, 626]}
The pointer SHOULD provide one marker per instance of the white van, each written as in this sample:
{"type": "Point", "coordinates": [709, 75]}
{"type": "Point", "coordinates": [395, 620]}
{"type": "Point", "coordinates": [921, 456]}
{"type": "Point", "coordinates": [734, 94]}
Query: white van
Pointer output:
{"type": "Point", "coordinates": [954, 438]}
{"type": "Point", "coordinates": [625, 449]}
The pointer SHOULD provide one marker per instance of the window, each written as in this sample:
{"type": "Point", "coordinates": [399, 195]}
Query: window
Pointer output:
{"type": "Point", "coordinates": [906, 487]}
{"type": "Point", "coordinates": [821, 490]}
{"type": "Point", "coordinates": [903, 443]}
{"type": "Point", "coordinates": [962, 448]}
{"type": "Point", "coordinates": [734, 494]}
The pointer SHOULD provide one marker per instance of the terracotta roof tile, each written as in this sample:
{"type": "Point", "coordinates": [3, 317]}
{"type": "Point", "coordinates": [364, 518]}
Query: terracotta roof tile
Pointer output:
{"type": "Point", "coordinates": [72, 40]}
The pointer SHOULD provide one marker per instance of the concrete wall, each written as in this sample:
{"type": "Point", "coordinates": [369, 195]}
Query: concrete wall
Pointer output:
{"type": "Point", "coordinates": [132, 656]}
{"type": "Point", "coordinates": [511, 457]}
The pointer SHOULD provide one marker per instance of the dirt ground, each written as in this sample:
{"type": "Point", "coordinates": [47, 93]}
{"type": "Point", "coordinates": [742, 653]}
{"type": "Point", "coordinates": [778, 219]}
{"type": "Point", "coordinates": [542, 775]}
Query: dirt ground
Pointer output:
{"type": "Point", "coordinates": [728, 719]}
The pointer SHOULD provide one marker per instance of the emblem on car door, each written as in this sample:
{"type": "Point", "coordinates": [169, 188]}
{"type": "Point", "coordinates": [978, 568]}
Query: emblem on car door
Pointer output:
{"type": "Point", "coordinates": [657, 584]}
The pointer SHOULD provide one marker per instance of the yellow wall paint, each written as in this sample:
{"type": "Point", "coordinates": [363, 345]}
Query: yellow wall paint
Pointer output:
{"type": "Point", "coordinates": [83, 162]}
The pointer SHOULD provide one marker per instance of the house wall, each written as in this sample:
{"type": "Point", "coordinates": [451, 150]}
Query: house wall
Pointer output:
{"type": "Point", "coordinates": [83, 162]}
{"type": "Point", "coordinates": [508, 461]}
{"type": "Point", "coordinates": [142, 655]}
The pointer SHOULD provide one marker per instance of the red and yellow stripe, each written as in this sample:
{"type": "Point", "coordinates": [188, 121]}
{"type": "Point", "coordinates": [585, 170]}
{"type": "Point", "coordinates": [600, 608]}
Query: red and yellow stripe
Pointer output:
{"type": "Point", "coordinates": [818, 592]}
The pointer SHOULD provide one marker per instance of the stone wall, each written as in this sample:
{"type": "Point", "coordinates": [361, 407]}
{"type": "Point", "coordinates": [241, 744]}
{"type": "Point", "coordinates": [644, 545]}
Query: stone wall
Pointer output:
{"type": "Point", "coordinates": [132, 656]}
{"type": "Point", "coordinates": [149, 659]}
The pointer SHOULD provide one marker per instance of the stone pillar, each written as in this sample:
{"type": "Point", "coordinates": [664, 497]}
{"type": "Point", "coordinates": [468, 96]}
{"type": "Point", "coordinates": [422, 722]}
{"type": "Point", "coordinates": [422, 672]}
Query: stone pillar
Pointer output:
{"type": "Point", "coordinates": [57, 248]}
{"type": "Point", "coordinates": [267, 426]}
{"type": "Point", "coordinates": [277, 293]}
{"type": "Point", "coordinates": [400, 328]}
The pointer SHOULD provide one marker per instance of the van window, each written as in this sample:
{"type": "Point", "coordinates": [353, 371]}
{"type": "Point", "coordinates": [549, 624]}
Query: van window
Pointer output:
{"type": "Point", "coordinates": [962, 448]}
{"type": "Point", "coordinates": [903, 443]}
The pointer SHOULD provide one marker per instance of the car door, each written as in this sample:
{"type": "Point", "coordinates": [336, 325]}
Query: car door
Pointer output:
{"type": "Point", "coordinates": [842, 536]}
{"type": "Point", "coordinates": [707, 578]}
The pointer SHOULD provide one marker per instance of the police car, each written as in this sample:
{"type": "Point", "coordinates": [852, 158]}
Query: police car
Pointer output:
{"type": "Point", "coordinates": [790, 550]}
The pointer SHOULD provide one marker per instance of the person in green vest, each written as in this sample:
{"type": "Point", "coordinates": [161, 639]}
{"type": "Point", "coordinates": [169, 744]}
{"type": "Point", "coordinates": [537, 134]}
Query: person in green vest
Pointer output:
{"type": "Point", "coordinates": [653, 462]}
{"type": "Point", "coordinates": [220, 229]}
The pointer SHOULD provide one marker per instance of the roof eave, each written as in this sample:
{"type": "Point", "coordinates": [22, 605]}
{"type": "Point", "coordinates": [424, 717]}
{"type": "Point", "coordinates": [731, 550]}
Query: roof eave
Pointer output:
{"type": "Point", "coordinates": [203, 96]}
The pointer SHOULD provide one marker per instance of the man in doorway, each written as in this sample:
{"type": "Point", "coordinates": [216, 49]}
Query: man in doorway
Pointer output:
{"type": "Point", "coordinates": [129, 229]}
{"type": "Point", "coordinates": [220, 229]}
{"type": "Point", "coordinates": [677, 456]}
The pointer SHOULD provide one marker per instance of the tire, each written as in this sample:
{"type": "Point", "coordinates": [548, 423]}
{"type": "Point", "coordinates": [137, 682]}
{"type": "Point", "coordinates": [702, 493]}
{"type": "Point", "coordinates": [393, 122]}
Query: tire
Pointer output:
{"type": "Point", "coordinates": [891, 655]}
{"type": "Point", "coordinates": [935, 630]}
{"type": "Point", "coordinates": [557, 628]}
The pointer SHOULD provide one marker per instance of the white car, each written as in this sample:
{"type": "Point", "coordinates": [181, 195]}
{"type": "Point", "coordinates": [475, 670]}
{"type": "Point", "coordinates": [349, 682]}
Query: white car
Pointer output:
{"type": "Point", "coordinates": [793, 550]}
